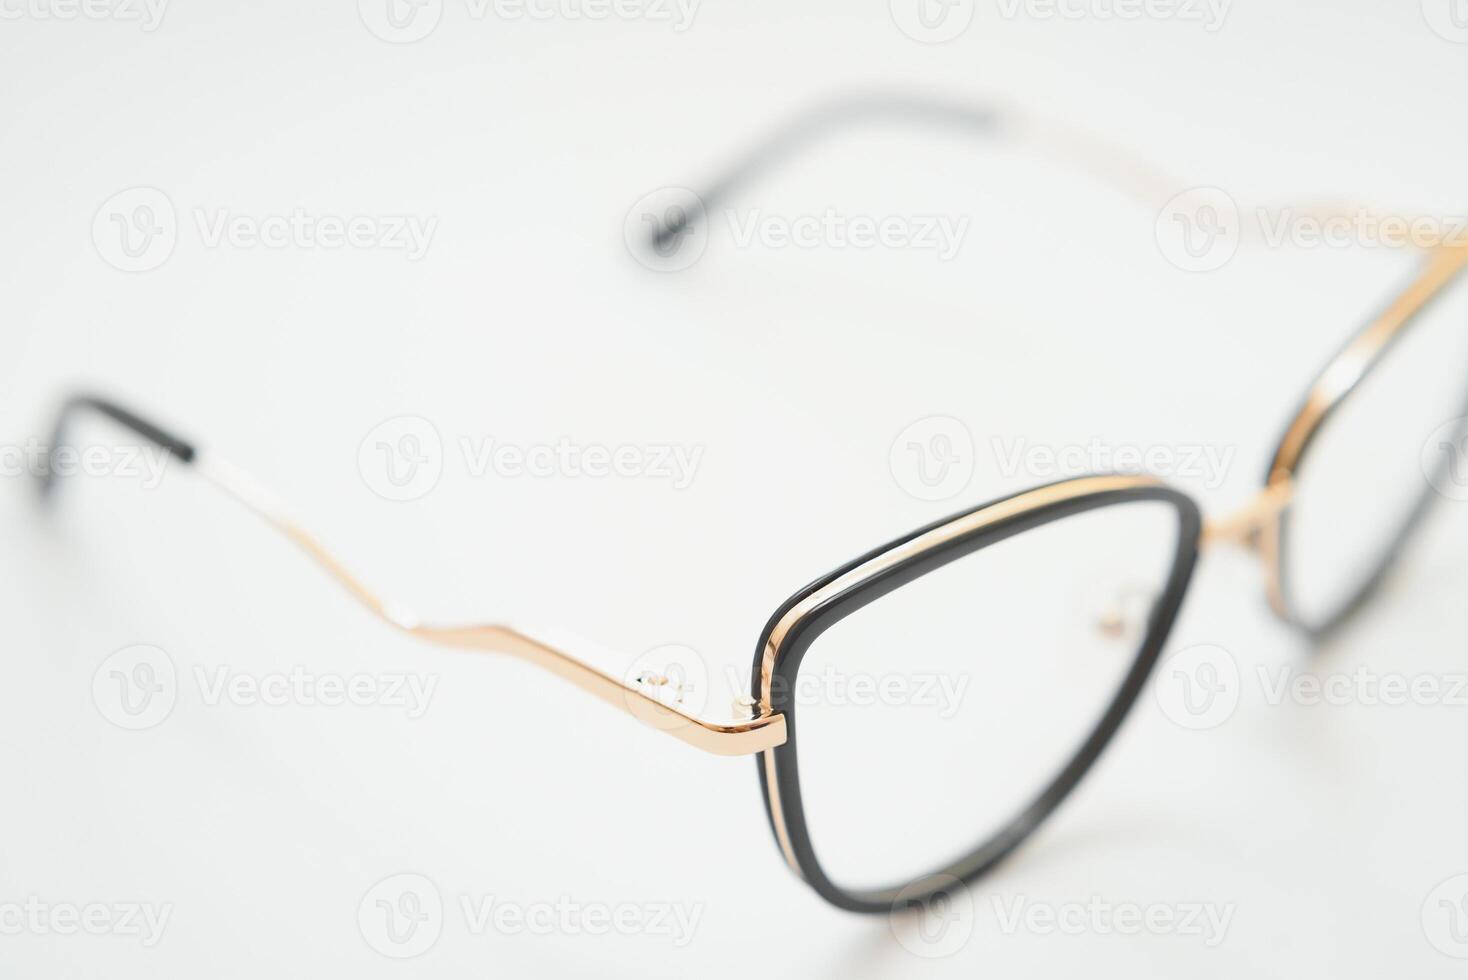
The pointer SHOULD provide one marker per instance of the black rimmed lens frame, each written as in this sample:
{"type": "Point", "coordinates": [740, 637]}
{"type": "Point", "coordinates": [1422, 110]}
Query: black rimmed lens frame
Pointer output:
{"type": "Point", "coordinates": [1370, 471]}
{"type": "Point", "coordinates": [940, 708]}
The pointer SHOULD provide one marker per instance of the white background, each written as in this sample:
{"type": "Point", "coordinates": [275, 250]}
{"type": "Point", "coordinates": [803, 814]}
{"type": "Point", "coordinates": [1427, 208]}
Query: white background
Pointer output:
{"type": "Point", "coordinates": [529, 320]}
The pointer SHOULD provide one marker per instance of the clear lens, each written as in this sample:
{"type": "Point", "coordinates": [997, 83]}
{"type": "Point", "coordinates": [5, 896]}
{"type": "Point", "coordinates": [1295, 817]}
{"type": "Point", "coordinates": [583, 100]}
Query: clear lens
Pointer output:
{"type": "Point", "coordinates": [931, 718]}
{"type": "Point", "coordinates": [1370, 466]}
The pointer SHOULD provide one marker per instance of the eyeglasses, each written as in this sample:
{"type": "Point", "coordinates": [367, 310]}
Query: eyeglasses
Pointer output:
{"type": "Point", "coordinates": [1058, 600]}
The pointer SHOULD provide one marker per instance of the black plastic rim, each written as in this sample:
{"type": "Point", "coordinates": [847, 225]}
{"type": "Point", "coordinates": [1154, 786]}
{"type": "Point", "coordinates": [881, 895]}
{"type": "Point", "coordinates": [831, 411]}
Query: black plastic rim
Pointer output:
{"type": "Point", "coordinates": [999, 846]}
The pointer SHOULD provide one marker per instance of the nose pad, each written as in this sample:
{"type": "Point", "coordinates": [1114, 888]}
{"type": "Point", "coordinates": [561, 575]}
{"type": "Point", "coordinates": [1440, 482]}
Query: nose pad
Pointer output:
{"type": "Point", "coordinates": [1122, 614]}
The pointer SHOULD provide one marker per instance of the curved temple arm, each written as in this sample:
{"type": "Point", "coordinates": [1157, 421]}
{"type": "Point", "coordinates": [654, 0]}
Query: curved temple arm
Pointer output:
{"type": "Point", "coordinates": [1086, 153]}
{"type": "Point", "coordinates": [576, 661]}
{"type": "Point", "coordinates": [1129, 174]}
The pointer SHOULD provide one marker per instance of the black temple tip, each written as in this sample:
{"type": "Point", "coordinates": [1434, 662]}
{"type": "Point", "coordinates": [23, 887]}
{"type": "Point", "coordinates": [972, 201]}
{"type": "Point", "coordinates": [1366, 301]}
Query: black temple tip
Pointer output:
{"type": "Point", "coordinates": [179, 448]}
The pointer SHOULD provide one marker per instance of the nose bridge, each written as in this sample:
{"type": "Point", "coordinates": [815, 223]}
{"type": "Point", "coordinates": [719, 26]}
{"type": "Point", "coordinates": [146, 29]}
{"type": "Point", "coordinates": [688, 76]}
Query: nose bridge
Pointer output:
{"type": "Point", "coordinates": [1243, 526]}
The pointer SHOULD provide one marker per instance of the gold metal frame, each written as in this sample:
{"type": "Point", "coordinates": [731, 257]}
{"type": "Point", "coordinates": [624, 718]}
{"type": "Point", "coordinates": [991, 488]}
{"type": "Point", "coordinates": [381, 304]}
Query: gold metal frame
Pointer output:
{"type": "Point", "coordinates": [1260, 524]}
{"type": "Point", "coordinates": [577, 661]}
{"type": "Point", "coordinates": [754, 727]}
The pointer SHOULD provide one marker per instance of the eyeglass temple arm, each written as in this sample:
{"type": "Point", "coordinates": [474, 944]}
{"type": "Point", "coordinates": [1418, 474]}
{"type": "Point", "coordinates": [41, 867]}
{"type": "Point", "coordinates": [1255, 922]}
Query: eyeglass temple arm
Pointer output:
{"type": "Point", "coordinates": [1134, 177]}
{"type": "Point", "coordinates": [178, 448]}
{"type": "Point", "coordinates": [1118, 167]}
{"type": "Point", "coordinates": [583, 664]}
